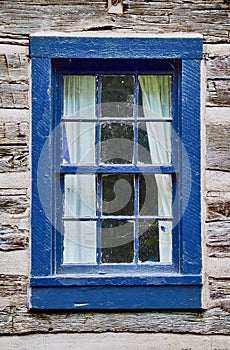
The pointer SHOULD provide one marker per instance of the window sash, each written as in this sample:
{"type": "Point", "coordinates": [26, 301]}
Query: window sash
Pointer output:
{"type": "Point", "coordinates": [135, 169]}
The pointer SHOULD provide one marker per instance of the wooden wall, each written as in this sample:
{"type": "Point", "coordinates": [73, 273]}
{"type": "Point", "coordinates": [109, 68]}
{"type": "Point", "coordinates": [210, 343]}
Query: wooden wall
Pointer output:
{"type": "Point", "coordinates": [18, 20]}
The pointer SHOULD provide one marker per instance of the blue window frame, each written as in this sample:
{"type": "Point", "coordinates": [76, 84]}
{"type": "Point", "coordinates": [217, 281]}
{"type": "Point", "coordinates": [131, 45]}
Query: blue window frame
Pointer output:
{"type": "Point", "coordinates": [142, 281]}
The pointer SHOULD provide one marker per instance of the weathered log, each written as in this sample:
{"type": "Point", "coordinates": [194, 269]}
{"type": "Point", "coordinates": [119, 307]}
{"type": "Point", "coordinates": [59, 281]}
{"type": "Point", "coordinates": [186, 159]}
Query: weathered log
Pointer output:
{"type": "Point", "coordinates": [14, 68]}
{"type": "Point", "coordinates": [218, 93]}
{"type": "Point", "coordinates": [213, 321]}
{"type": "Point", "coordinates": [218, 239]}
{"type": "Point", "coordinates": [14, 95]}
{"type": "Point", "coordinates": [217, 67]}
{"type": "Point", "coordinates": [218, 206]}
{"type": "Point", "coordinates": [218, 146]}
{"type": "Point", "coordinates": [219, 288]}
{"type": "Point", "coordinates": [14, 132]}
{"type": "Point", "coordinates": [13, 238]}
{"type": "Point", "coordinates": [13, 202]}
{"type": "Point", "coordinates": [13, 158]}
{"type": "Point", "coordinates": [13, 285]}
{"type": "Point", "coordinates": [23, 18]}
{"type": "Point", "coordinates": [217, 181]}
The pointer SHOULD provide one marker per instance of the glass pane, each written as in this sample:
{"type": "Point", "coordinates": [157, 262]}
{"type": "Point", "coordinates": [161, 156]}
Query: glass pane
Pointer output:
{"type": "Point", "coordinates": [148, 241]}
{"type": "Point", "coordinates": [155, 96]}
{"type": "Point", "coordinates": [148, 195]}
{"type": "Point", "coordinates": [155, 195]}
{"type": "Point", "coordinates": [117, 143]}
{"type": "Point", "coordinates": [164, 186]}
{"type": "Point", "coordinates": [80, 195]}
{"type": "Point", "coordinates": [78, 141]}
{"type": "Point", "coordinates": [79, 242]}
{"type": "Point", "coordinates": [154, 143]}
{"type": "Point", "coordinates": [165, 240]}
{"type": "Point", "coordinates": [117, 96]}
{"type": "Point", "coordinates": [118, 194]}
{"type": "Point", "coordinates": [117, 241]}
{"type": "Point", "coordinates": [79, 96]}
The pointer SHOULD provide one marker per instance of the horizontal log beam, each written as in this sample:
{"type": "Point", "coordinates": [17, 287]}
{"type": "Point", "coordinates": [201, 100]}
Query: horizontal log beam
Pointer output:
{"type": "Point", "coordinates": [218, 239]}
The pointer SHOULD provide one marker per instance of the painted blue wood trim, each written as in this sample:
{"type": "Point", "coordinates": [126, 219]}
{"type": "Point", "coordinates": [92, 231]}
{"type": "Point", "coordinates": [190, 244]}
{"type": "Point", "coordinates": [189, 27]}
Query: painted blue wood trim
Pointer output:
{"type": "Point", "coordinates": [94, 47]}
{"type": "Point", "coordinates": [116, 169]}
{"type": "Point", "coordinates": [95, 66]}
{"type": "Point", "coordinates": [42, 172]}
{"type": "Point", "coordinates": [125, 279]}
{"type": "Point", "coordinates": [116, 297]}
{"type": "Point", "coordinates": [190, 135]}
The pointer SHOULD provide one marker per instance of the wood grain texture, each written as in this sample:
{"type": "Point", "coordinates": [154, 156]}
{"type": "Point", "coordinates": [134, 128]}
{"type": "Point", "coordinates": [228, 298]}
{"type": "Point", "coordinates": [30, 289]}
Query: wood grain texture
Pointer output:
{"type": "Point", "coordinates": [13, 285]}
{"type": "Point", "coordinates": [202, 16]}
{"type": "Point", "coordinates": [219, 288]}
{"type": "Point", "coordinates": [218, 146]}
{"type": "Point", "coordinates": [218, 206]}
{"type": "Point", "coordinates": [20, 321]}
{"type": "Point", "coordinates": [13, 237]}
{"type": "Point", "coordinates": [218, 92]}
{"type": "Point", "coordinates": [217, 66]}
{"type": "Point", "coordinates": [13, 158]}
{"type": "Point", "coordinates": [14, 133]}
{"type": "Point", "coordinates": [13, 201]}
{"type": "Point", "coordinates": [218, 239]}
{"type": "Point", "coordinates": [13, 80]}
{"type": "Point", "coordinates": [13, 67]}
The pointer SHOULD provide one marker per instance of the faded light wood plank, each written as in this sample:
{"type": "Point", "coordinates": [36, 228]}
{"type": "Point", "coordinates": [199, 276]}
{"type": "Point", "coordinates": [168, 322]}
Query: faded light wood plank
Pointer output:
{"type": "Point", "coordinates": [218, 239]}
{"type": "Point", "coordinates": [212, 321]}
{"type": "Point", "coordinates": [218, 93]}
{"type": "Point", "coordinates": [12, 202]}
{"type": "Point", "coordinates": [218, 206]}
{"type": "Point", "coordinates": [218, 147]}
{"type": "Point", "coordinates": [13, 158]}
{"type": "Point", "coordinates": [13, 238]}
{"type": "Point", "coordinates": [13, 132]}
{"type": "Point", "coordinates": [219, 288]}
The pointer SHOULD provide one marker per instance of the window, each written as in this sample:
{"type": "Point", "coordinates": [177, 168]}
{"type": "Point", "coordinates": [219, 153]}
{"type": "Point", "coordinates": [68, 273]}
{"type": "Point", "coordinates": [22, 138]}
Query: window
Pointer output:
{"type": "Point", "coordinates": [116, 172]}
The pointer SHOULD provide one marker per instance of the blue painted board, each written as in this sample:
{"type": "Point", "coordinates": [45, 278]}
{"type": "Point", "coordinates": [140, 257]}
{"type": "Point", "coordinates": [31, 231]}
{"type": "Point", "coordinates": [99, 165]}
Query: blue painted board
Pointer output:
{"type": "Point", "coordinates": [95, 47]}
{"type": "Point", "coordinates": [116, 297]}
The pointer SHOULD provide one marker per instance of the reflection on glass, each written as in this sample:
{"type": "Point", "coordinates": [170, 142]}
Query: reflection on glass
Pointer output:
{"type": "Point", "coordinates": [116, 143]}
{"type": "Point", "coordinates": [80, 195]}
{"type": "Point", "coordinates": [78, 139]}
{"type": "Point", "coordinates": [79, 96]}
{"type": "Point", "coordinates": [117, 241]}
{"type": "Point", "coordinates": [148, 195]}
{"type": "Point", "coordinates": [155, 195]}
{"type": "Point", "coordinates": [148, 241]}
{"type": "Point", "coordinates": [165, 241]}
{"type": "Point", "coordinates": [154, 143]}
{"type": "Point", "coordinates": [118, 194]}
{"type": "Point", "coordinates": [117, 96]}
{"type": "Point", "coordinates": [79, 242]}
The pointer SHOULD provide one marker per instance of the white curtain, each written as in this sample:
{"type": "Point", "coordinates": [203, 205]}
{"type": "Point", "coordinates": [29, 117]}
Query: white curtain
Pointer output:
{"type": "Point", "coordinates": [156, 99]}
{"type": "Point", "coordinates": [79, 147]}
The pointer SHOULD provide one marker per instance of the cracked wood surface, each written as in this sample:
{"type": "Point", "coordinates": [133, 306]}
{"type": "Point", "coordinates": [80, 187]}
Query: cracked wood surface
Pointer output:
{"type": "Point", "coordinates": [19, 19]}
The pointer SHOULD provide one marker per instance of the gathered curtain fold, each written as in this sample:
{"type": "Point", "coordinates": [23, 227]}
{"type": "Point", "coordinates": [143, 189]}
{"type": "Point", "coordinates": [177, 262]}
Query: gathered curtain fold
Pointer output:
{"type": "Point", "coordinates": [156, 100]}
{"type": "Point", "coordinates": [80, 190]}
